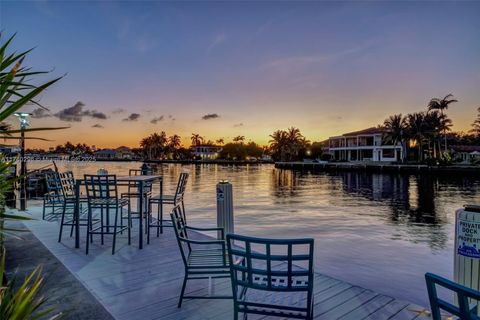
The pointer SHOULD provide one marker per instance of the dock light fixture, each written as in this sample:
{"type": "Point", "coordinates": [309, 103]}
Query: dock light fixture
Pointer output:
{"type": "Point", "coordinates": [24, 124]}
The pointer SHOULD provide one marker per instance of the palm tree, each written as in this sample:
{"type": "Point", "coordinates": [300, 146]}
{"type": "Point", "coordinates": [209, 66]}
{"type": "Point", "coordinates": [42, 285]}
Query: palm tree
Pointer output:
{"type": "Point", "coordinates": [175, 141]}
{"type": "Point", "coordinates": [278, 144]}
{"type": "Point", "coordinates": [441, 105]}
{"type": "Point", "coordinates": [220, 141]}
{"type": "Point", "coordinates": [146, 145]}
{"type": "Point", "coordinates": [396, 131]}
{"type": "Point", "coordinates": [476, 124]}
{"type": "Point", "coordinates": [196, 139]}
{"type": "Point", "coordinates": [296, 141]}
{"type": "Point", "coordinates": [416, 130]}
{"type": "Point", "coordinates": [239, 139]}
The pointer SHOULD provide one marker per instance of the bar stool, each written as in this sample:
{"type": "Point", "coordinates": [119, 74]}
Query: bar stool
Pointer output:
{"type": "Point", "coordinates": [68, 200]}
{"type": "Point", "coordinates": [102, 194]}
{"type": "Point", "coordinates": [132, 193]}
{"type": "Point", "coordinates": [175, 200]}
{"type": "Point", "coordinates": [52, 199]}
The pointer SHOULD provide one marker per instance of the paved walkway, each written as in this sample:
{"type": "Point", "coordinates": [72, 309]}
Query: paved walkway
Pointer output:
{"type": "Point", "coordinates": [66, 294]}
{"type": "Point", "coordinates": [145, 284]}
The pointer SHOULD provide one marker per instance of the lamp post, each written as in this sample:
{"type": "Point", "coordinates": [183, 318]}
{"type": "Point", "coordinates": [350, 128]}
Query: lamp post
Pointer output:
{"type": "Point", "coordinates": [23, 118]}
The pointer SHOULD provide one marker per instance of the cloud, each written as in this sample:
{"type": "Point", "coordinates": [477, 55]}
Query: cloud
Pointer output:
{"type": "Point", "coordinates": [40, 113]}
{"type": "Point", "coordinates": [99, 126]}
{"type": "Point", "coordinates": [218, 39]}
{"type": "Point", "coordinates": [307, 61]}
{"type": "Point", "coordinates": [237, 125]}
{"type": "Point", "coordinates": [210, 116]}
{"type": "Point", "coordinates": [156, 120]}
{"type": "Point", "coordinates": [118, 111]}
{"type": "Point", "coordinates": [132, 117]}
{"type": "Point", "coordinates": [76, 113]}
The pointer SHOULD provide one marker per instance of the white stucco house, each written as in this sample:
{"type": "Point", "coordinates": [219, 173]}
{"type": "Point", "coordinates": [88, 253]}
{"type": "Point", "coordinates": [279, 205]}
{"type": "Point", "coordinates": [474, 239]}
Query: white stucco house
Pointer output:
{"type": "Point", "coordinates": [363, 145]}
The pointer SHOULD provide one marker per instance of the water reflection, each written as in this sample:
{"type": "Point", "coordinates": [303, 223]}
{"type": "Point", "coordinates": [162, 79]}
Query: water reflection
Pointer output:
{"type": "Point", "coordinates": [411, 200]}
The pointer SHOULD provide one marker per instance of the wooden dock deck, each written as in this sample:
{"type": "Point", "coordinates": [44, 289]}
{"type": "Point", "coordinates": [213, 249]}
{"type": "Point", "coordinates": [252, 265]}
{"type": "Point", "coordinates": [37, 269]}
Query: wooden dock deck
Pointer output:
{"type": "Point", "coordinates": [145, 284]}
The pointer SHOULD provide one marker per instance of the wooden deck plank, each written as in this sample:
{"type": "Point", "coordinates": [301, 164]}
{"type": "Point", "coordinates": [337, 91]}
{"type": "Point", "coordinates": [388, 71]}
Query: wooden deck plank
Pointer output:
{"type": "Point", "coordinates": [336, 300]}
{"type": "Point", "coordinates": [349, 305]}
{"type": "Point", "coordinates": [388, 310]}
{"type": "Point", "coordinates": [145, 284]}
{"type": "Point", "coordinates": [410, 311]}
{"type": "Point", "coordinates": [367, 309]}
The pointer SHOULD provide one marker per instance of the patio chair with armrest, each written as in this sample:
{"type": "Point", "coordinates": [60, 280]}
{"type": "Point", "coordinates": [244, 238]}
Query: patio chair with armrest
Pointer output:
{"type": "Point", "coordinates": [464, 311]}
{"type": "Point", "coordinates": [271, 277]}
{"type": "Point", "coordinates": [202, 259]}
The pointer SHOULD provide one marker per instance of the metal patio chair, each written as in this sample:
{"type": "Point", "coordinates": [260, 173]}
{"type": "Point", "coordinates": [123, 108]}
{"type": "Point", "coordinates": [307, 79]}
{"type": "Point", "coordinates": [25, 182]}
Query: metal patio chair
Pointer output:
{"type": "Point", "coordinates": [102, 195]}
{"type": "Point", "coordinates": [132, 192]}
{"type": "Point", "coordinates": [68, 201]}
{"type": "Point", "coordinates": [271, 277]}
{"type": "Point", "coordinates": [463, 294]}
{"type": "Point", "coordinates": [176, 200]}
{"type": "Point", "coordinates": [203, 259]}
{"type": "Point", "coordinates": [52, 201]}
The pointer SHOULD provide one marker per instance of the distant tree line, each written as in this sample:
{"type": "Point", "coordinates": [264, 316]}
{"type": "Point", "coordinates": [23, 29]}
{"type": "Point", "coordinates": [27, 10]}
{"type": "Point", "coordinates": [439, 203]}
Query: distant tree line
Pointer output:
{"type": "Point", "coordinates": [423, 136]}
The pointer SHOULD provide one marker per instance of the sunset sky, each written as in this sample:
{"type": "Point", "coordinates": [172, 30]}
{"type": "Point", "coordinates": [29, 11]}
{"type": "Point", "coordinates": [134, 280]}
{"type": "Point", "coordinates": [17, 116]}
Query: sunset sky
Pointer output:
{"type": "Point", "coordinates": [225, 68]}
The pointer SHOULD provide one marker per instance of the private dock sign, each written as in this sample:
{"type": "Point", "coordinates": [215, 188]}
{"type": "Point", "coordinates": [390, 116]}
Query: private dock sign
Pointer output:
{"type": "Point", "coordinates": [468, 238]}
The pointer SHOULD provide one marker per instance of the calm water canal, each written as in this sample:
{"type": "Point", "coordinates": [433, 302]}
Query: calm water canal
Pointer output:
{"type": "Point", "coordinates": [382, 232]}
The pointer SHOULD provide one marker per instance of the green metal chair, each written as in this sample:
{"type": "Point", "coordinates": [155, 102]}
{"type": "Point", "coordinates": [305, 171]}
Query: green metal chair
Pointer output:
{"type": "Point", "coordinates": [175, 200]}
{"type": "Point", "coordinates": [203, 259]}
{"type": "Point", "coordinates": [103, 196]}
{"type": "Point", "coordinates": [463, 294]}
{"type": "Point", "coordinates": [52, 199]}
{"type": "Point", "coordinates": [271, 277]}
{"type": "Point", "coordinates": [68, 200]}
{"type": "Point", "coordinates": [132, 193]}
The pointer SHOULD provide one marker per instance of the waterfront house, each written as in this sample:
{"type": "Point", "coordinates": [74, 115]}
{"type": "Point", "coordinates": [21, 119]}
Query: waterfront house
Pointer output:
{"type": "Point", "coordinates": [466, 154]}
{"type": "Point", "coordinates": [206, 152]}
{"type": "Point", "coordinates": [123, 153]}
{"type": "Point", "coordinates": [9, 150]}
{"type": "Point", "coordinates": [105, 154]}
{"type": "Point", "coordinates": [363, 145]}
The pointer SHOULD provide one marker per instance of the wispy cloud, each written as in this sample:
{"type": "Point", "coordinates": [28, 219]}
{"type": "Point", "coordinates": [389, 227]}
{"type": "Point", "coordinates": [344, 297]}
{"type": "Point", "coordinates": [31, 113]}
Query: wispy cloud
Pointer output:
{"type": "Point", "coordinates": [118, 111]}
{"type": "Point", "coordinates": [210, 116]}
{"type": "Point", "coordinates": [303, 61]}
{"type": "Point", "coordinates": [40, 113]}
{"type": "Point", "coordinates": [72, 114]}
{"type": "Point", "coordinates": [131, 30]}
{"type": "Point", "coordinates": [238, 125]}
{"type": "Point", "coordinates": [218, 39]}
{"type": "Point", "coordinates": [157, 119]}
{"type": "Point", "coordinates": [99, 126]}
{"type": "Point", "coordinates": [132, 117]}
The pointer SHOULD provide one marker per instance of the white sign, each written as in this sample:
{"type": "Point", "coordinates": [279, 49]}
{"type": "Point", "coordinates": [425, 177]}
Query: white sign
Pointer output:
{"type": "Point", "coordinates": [468, 238]}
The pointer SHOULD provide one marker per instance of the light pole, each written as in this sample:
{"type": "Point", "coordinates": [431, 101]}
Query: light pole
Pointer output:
{"type": "Point", "coordinates": [23, 118]}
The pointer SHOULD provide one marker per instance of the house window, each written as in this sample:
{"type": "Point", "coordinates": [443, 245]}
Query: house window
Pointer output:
{"type": "Point", "coordinates": [388, 153]}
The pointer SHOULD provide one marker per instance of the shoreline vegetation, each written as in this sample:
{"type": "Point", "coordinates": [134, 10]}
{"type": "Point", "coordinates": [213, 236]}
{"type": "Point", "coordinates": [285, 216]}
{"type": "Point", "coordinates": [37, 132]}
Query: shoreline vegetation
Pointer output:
{"type": "Point", "coordinates": [425, 138]}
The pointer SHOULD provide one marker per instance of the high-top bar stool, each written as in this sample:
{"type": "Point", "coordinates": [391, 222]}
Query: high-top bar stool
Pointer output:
{"type": "Point", "coordinates": [67, 183]}
{"type": "Point", "coordinates": [52, 200]}
{"type": "Point", "coordinates": [175, 200]}
{"type": "Point", "coordinates": [132, 193]}
{"type": "Point", "coordinates": [102, 194]}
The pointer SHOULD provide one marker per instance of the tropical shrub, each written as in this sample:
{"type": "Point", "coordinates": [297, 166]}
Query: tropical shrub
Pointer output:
{"type": "Point", "coordinates": [16, 90]}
